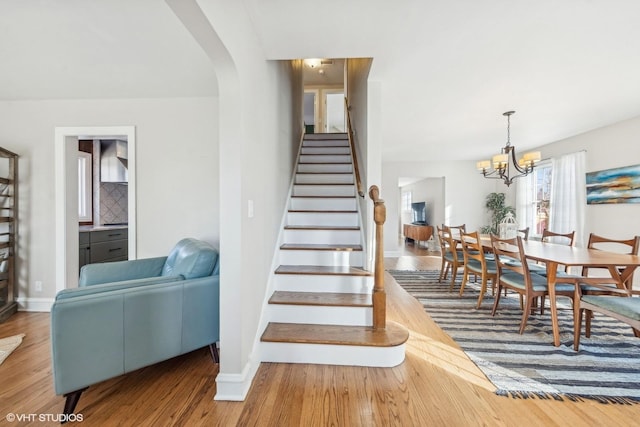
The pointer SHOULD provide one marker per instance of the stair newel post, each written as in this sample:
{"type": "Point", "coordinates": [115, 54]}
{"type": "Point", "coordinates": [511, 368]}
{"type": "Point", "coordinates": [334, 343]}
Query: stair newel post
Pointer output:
{"type": "Point", "coordinates": [379, 295]}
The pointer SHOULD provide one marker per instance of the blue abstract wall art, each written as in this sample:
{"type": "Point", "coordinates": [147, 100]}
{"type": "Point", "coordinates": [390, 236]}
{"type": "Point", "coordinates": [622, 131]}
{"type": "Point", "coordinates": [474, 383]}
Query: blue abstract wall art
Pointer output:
{"type": "Point", "coordinates": [619, 185]}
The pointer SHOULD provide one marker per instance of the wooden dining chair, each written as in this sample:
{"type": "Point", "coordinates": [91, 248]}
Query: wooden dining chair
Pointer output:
{"type": "Point", "coordinates": [623, 306]}
{"type": "Point", "coordinates": [627, 246]}
{"type": "Point", "coordinates": [445, 266]}
{"type": "Point", "coordinates": [452, 259]}
{"type": "Point", "coordinates": [559, 238]}
{"type": "Point", "coordinates": [525, 233]}
{"type": "Point", "coordinates": [517, 277]}
{"type": "Point", "coordinates": [476, 263]}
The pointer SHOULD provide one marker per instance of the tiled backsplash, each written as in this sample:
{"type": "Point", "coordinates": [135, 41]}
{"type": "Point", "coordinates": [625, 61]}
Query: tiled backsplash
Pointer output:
{"type": "Point", "coordinates": [113, 203]}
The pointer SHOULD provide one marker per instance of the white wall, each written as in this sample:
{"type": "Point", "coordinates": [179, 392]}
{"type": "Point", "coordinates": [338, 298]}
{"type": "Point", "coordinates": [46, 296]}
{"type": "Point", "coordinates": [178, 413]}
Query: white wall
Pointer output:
{"type": "Point", "coordinates": [260, 125]}
{"type": "Point", "coordinates": [608, 147]}
{"type": "Point", "coordinates": [177, 173]}
{"type": "Point", "coordinates": [464, 194]}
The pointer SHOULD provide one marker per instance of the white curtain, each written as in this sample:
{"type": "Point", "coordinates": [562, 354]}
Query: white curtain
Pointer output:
{"type": "Point", "coordinates": [568, 195]}
{"type": "Point", "coordinates": [525, 208]}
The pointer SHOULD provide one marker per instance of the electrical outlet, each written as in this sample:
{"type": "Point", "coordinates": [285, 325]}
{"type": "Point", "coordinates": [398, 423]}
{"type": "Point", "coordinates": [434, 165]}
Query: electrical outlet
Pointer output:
{"type": "Point", "coordinates": [38, 286]}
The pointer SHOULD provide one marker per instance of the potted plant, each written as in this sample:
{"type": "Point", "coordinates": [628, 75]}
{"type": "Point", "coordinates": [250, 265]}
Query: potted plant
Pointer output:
{"type": "Point", "coordinates": [495, 204]}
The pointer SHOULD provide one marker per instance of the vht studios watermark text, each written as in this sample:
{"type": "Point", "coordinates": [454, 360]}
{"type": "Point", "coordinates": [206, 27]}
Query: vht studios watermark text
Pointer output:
{"type": "Point", "coordinates": [55, 418]}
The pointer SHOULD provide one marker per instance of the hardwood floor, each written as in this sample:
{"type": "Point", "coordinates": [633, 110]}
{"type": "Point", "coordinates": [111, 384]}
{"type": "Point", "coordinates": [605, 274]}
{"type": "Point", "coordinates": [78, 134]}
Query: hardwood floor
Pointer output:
{"type": "Point", "coordinates": [437, 385]}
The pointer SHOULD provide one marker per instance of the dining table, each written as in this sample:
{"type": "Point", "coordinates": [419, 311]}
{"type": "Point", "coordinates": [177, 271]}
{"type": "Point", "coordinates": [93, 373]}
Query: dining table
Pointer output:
{"type": "Point", "coordinates": [620, 266]}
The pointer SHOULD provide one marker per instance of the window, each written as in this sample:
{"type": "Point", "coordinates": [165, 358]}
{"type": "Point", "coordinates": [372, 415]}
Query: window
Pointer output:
{"type": "Point", "coordinates": [85, 213]}
{"type": "Point", "coordinates": [534, 199]}
{"type": "Point", "coordinates": [542, 197]}
{"type": "Point", "coordinates": [406, 201]}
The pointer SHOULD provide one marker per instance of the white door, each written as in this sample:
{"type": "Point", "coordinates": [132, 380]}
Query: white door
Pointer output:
{"type": "Point", "coordinates": [334, 112]}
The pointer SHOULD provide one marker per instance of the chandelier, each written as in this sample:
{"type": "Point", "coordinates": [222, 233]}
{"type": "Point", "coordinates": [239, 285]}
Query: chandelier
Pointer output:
{"type": "Point", "coordinates": [505, 166]}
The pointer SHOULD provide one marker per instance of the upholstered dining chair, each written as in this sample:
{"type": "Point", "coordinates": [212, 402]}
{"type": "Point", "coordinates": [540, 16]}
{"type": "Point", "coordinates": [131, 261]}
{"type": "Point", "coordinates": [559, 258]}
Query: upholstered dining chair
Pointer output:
{"type": "Point", "coordinates": [517, 277]}
{"type": "Point", "coordinates": [622, 306]}
{"type": "Point", "coordinates": [559, 238]}
{"type": "Point", "coordinates": [452, 257]}
{"type": "Point", "coordinates": [455, 231]}
{"type": "Point", "coordinates": [476, 263]}
{"type": "Point", "coordinates": [445, 266]}
{"type": "Point", "coordinates": [627, 246]}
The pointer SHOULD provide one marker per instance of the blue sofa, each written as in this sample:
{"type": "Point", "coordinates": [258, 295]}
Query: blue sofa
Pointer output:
{"type": "Point", "coordinates": [129, 314]}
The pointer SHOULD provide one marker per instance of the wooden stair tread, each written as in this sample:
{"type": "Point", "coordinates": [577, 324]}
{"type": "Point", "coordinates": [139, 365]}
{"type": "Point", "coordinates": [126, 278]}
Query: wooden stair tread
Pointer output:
{"type": "Point", "coordinates": [320, 247]}
{"type": "Point", "coordinates": [323, 147]}
{"type": "Point", "coordinates": [325, 154]}
{"type": "Point", "coordinates": [321, 299]}
{"type": "Point", "coordinates": [320, 211]}
{"type": "Point", "coordinates": [322, 270]}
{"type": "Point", "coordinates": [323, 183]}
{"type": "Point", "coordinates": [323, 197]}
{"type": "Point", "coordinates": [324, 173]}
{"type": "Point", "coordinates": [392, 336]}
{"type": "Point", "coordinates": [323, 163]}
{"type": "Point", "coordinates": [321, 227]}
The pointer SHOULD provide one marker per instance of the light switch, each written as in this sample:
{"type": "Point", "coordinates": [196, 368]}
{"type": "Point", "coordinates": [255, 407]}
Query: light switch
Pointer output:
{"type": "Point", "coordinates": [250, 208]}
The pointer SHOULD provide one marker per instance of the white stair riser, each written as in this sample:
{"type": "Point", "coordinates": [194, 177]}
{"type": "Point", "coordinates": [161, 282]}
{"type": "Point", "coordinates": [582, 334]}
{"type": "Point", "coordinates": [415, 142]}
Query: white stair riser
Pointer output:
{"type": "Point", "coordinates": [327, 204]}
{"type": "Point", "coordinates": [324, 178]}
{"type": "Point", "coordinates": [346, 355]}
{"type": "Point", "coordinates": [326, 136]}
{"type": "Point", "coordinates": [320, 315]}
{"type": "Point", "coordinates": [322, 218]}
{"type": "Point", "coordinates": [325, 150]}
{"type": "Point", "coordinates": [326, 258]}
{"type": "Point", "coordinates": [324, 283]}
{"type": "Point", "coordinates": [321, 158]}
{"type": "Point", "coordinates": [324, 190]}
{"type": "Point", "coordinates": [324, 143]}
{"type": "Point", "coordinates": [325, 167]}
{"type": "Point", "coordinates": [323, 237]}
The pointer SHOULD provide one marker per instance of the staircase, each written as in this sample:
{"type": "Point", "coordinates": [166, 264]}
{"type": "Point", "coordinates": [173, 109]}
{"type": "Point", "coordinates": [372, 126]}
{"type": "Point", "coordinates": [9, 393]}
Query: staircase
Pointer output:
{"type": "Point", "coordinates": [321, 310]}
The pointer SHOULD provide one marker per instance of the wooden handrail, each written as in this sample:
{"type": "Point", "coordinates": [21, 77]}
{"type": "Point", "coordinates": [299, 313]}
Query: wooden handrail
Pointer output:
{"type": "Point", "coordinates": [379, 297]}
{"type": "Point", "coordinates": [352, 144]}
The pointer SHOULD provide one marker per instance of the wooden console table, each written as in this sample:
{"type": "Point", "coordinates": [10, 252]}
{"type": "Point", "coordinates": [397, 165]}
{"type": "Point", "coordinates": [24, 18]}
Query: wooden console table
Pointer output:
{"type": "Point", "coordinates": [417, 233]}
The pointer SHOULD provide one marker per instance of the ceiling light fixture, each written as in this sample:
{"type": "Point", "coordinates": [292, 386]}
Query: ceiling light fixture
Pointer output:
{"type": "Point", "coordinates": [505, 163]}
{"type": "Point", "coordinates": [313, 62]}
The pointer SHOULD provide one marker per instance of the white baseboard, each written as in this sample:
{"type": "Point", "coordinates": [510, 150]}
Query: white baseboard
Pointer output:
{"type": "Point", "coordinates": [234, 387]}
{"type": "Point", "coordinates": [35, 304]}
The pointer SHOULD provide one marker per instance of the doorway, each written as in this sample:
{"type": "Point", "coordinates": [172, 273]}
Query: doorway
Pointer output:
{"type": "Point", "coordinates": [427, 194]}
{"type": "Point", "coordinates": [66, 196]}
{"type": "Point", "coordinates": [334, 115]}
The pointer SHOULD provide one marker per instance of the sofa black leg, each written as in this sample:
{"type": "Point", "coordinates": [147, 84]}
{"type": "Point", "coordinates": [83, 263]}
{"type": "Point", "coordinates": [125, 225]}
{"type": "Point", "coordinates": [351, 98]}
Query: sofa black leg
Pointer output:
{"type": "Point", "coordinates": [71, 402]}
{"type": "Point", "coordinates": [214, 353]}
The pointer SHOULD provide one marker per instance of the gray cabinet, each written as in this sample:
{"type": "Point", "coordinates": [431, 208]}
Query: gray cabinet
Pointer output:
{"type": "Point", "coordinates": [85, 249]}
{"type": "Point", "coordinates": [104, 246]}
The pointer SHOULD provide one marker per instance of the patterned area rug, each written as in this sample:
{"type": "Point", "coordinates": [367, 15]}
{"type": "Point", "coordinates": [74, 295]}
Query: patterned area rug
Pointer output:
{"type": "Point", "coordinates": [7, 345]}
{"type": "Point", "coordinates": [606, 369]}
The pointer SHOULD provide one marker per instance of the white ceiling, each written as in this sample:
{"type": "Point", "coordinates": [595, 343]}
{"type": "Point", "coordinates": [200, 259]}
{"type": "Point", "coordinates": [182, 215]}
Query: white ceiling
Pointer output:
{"type": "Point", "coordinates": [54, 49]}
{"type": "Point", "coordinates": [447, 69]}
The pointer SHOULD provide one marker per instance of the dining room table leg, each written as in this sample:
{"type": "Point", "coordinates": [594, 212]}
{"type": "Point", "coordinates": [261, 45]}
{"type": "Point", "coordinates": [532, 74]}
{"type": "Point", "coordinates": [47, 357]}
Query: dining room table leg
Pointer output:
{"type": "Point", "coordinates": [552, 268]}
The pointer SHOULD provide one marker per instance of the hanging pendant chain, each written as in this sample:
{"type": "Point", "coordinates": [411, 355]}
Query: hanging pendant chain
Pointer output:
{"type": "Point", "coordinates": [508, 130]}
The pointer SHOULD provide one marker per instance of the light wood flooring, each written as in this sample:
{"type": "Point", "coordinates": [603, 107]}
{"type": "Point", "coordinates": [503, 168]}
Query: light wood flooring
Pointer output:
{"type": "Point", "coordinates": [437, 385]}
